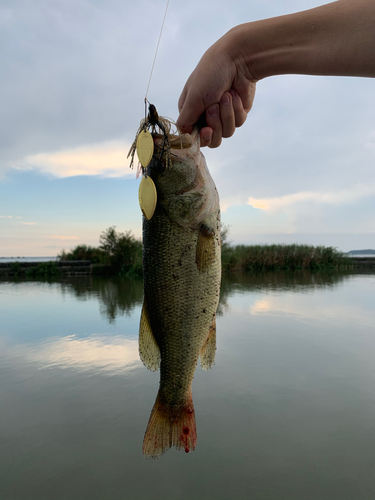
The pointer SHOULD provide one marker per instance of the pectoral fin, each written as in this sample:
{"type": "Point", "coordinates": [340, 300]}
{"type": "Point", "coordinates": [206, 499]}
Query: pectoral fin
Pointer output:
{"type": "Point", "coordinates": [149, 351]}
{"type": "Point", "coordinates": [205, 248]}
{"type": "Point", "coordinates": [208, 350]}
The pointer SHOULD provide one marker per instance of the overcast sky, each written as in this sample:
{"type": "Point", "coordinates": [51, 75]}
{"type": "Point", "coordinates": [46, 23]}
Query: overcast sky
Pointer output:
{"type": "Point", "coordinates": [73, 80]}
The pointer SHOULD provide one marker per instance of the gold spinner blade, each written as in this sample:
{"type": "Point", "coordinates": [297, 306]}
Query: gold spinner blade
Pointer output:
{"type": "Point", "coordinates": [145, 147]}
{"type": "Point", "coordinates": [147, 196]}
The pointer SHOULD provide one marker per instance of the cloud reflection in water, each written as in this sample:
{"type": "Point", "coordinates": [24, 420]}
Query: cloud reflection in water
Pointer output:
{"type": "Point", "coordinates": [109, 354]}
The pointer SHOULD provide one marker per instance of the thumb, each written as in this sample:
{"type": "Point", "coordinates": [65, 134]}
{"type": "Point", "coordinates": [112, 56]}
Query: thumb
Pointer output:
{"type": "Point", "coordinates": [191, 108]}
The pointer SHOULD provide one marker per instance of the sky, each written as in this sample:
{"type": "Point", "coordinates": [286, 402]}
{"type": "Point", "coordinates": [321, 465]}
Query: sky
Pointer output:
{"type": "Point", "coordinates": [73, 78]}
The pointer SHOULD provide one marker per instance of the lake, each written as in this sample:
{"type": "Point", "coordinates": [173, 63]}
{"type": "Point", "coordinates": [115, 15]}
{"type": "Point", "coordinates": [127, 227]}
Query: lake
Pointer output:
{"type": "Point", "coordinates": [287, 412]}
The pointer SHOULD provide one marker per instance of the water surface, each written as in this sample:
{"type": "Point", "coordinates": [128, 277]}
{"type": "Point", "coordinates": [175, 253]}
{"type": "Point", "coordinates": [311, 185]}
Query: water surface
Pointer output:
{"type": "Point", "coordinates": [287, 412]}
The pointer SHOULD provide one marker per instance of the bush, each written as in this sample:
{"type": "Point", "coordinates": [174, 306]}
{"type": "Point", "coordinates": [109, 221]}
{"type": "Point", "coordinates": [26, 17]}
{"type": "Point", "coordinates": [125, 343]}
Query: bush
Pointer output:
{"type": "Point", "coordinates": [84, 252]}
{"type": "Point", "coordinates": [123, 251]}
{"type": "Point", "coordinates": [119, 252]}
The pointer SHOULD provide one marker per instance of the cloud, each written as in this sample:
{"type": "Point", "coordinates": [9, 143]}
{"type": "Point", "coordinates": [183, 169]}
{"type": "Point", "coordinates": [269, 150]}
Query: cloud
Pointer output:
{"type": "Point", "coordinates": [108, 159]}
{"type": "Point", "coordinates": [343, 197]}
{"type": "Point", "coordinates": [58, 237]}
{"type": "Point", "coordinates": [17, 217]}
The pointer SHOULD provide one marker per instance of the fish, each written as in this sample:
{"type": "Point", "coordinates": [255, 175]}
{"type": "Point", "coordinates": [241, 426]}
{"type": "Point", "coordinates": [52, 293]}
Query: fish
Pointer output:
{"type": "Point", "coordinates": [182, 274]}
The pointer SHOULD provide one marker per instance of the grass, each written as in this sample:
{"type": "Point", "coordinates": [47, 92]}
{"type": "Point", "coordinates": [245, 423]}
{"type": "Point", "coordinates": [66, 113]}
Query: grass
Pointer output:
{"type": "Point", "coordinates": [245, 258]}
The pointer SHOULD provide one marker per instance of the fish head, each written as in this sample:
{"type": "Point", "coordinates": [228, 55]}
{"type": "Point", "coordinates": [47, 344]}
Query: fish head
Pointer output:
{"type": "Point", "coordinates": [185, 189]}
{"type": "Point", "coordinates": [178, 174]}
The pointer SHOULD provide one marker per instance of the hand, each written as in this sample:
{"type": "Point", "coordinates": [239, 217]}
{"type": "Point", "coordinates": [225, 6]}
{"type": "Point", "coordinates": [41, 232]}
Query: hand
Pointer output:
{"type": "Point", "coordinates": [221, 90]}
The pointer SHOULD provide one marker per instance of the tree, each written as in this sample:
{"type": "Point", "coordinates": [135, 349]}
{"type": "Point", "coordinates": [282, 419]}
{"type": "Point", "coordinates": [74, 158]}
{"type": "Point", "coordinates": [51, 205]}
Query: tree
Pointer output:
{"type": "Point", "coordinates": [124, 251]}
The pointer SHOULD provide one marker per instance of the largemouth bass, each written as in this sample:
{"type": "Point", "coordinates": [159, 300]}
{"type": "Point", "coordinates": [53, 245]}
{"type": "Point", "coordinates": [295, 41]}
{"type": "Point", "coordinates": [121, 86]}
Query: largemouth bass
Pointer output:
{"type": "Point", "coordinates": [182, 272]}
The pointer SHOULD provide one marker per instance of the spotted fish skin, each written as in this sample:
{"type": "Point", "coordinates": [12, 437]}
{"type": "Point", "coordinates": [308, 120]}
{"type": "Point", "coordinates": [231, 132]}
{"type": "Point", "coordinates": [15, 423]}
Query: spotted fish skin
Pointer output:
{"type": "Point", "coordinates": [182, 272]}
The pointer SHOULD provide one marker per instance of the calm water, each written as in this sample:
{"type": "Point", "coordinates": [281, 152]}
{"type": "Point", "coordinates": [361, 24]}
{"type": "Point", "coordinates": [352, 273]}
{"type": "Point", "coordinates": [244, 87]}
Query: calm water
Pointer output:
{"type": "Point", "coordinates": [287, 412]}
{"type": "Point", "coordinates": [6, 260]}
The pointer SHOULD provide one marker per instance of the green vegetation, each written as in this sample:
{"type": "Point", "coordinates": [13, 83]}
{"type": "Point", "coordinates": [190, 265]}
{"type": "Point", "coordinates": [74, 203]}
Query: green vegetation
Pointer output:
{"type": "Point", "coordinates": [275, 257]}
{"type": "Point", "coordinates": [84, 252]}
{"type": "Point", "coordinates": [118, 253]}
{"type": "Point", "coordinates": [15, 268]}
{"type": "Point", "coordinates": [121, 254]}
{"type": "Point", "coordinates": [42, 270]}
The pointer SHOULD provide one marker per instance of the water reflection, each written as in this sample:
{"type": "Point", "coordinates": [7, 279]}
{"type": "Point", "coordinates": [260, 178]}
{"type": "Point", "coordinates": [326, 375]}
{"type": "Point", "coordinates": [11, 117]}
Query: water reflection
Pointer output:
{"type": "Point", "coordinates": [109, 355]}
{"type": "Point", "coordinates": [289, 404]}
{"type": "Point", "coordinates": [117, 296]}
{"type": "Point", "coordinates": [59, 324]}
{"type": "Point", "coordinates": [281, 281]}
{"type": "Point", "coordinates": [266, 294]}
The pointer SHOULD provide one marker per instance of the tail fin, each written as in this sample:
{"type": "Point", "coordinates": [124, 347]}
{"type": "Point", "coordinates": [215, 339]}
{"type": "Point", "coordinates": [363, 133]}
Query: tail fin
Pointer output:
{"type": "Point", "coordinates": [170, 426]}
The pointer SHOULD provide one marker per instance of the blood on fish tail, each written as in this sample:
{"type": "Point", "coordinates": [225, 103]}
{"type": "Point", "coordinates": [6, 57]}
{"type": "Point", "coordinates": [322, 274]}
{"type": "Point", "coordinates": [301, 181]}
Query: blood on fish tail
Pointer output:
{"type": "Point", "coordinates": [170, 426]}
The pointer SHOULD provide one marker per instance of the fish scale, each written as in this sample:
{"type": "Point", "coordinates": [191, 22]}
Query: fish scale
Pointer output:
{"type": "Point", "coordinates": [184, 292]}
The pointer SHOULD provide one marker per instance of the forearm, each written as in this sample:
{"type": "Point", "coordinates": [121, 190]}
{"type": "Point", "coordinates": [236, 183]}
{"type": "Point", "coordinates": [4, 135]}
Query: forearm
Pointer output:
{"type": "Point", "coordinates": [334, 39]}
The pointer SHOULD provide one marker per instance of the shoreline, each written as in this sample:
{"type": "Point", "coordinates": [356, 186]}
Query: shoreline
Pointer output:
{"type": "Point", "coordinates": [48, 268]}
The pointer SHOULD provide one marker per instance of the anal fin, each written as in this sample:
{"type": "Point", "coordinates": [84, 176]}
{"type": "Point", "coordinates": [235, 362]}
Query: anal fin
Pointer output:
{"type": "Point", "coordinates": [149, 351]}
{"type": "Point", "coordinates": [208, 350]}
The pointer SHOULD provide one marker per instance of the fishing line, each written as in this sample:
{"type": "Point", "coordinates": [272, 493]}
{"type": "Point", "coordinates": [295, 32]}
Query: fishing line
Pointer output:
{"type": "Point", "coordinates": [157, 47]}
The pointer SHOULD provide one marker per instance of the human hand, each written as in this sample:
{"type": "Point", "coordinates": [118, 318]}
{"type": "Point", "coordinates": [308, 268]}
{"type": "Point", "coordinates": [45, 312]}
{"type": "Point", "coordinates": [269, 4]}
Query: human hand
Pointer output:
{"type": "Point", "coordinates": [220, 90]}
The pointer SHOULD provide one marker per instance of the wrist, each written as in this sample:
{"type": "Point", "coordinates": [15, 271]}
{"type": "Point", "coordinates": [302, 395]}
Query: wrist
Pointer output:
{"type": "Point", "coordinates": [267, 48]}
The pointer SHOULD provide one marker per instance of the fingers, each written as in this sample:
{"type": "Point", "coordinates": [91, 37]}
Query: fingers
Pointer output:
{"type": "Point", "coordinates": [213, 121]}
{"type": "Point", "coordinates": [227, 115]}
{"type": "Point", "coordinates": [206, 136]}
{"type": "Point", "coordinates": [221, 118]}
{"type": "Point", "coordinates": [191, 106]}
{"type": "Point", "coordinates": [190, 109]}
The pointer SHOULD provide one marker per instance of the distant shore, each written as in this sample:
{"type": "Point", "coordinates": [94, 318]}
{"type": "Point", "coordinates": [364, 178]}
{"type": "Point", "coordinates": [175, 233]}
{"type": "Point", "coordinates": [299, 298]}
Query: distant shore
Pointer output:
{"type": "Point", "coordinates": [25, 268]}
{"type": "Point", "coordinates": [121, 254]}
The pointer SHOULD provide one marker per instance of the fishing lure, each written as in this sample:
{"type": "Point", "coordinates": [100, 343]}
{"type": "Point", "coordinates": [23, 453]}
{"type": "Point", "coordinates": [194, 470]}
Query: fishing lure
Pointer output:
{"type": "Point", "coordinates": [151, 126]}
{"type": "Point", "coordinates": [143, 144]}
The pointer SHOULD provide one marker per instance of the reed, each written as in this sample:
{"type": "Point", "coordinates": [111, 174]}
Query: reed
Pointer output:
{"type": "Point", "coordinates": [274, 257]}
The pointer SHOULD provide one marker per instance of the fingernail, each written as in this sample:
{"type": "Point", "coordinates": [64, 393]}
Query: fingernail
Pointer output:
{"type": "Point", "coordinates": [224, 100]}
{"type": "Point", "coordinates": [233, 93]}
{"type": "Point", "coordinates": [206, 137]}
